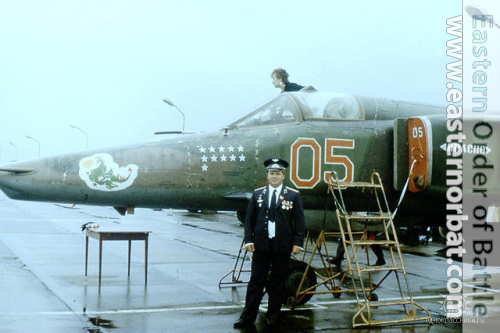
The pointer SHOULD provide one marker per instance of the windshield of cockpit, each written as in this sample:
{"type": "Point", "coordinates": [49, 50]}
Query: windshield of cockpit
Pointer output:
{"type": "Point", "coordinates": [281, 110]}
{"type": "Point", "coordinates": [327, 105]}
{"type": "Point", "coordinates": [313, 105]}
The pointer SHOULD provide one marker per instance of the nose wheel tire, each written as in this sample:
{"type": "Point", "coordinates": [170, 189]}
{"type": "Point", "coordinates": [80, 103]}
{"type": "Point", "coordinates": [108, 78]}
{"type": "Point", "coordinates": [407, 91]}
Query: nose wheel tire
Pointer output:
{"type": "Point", "coordinates": [294, 276]}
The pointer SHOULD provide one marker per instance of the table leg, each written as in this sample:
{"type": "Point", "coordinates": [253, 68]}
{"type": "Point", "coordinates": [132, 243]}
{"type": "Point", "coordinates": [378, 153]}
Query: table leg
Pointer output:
{"type": "Point", "coordinates": [100, 260]}
{"type": "Point", "coordinates": [129, 251]}
{"type": "Point", "coordinates": [86, 253]}
{"type": "Point", "coordinates": [146, 260]}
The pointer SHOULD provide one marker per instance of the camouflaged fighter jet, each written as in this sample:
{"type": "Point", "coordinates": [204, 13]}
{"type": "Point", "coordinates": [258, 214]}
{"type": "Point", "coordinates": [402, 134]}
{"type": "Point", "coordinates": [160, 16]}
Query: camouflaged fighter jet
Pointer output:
{"type": "Point", "coordinates": [317, 132]}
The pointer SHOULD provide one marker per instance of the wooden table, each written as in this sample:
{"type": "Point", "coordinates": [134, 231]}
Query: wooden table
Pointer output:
{"type": "Point", "coordinates": [106, 235]}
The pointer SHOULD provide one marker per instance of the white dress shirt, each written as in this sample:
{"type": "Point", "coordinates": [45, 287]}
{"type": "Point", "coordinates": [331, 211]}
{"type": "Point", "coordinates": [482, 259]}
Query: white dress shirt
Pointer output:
{"type": "Point", "coordinates": [271, 225]}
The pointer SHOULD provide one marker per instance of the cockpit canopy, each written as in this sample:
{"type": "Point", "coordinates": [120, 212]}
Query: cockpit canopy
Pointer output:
{"type": "Point", "coordinates": [328, 105]}
{"type": "Point", "coordinates": [307, 104]}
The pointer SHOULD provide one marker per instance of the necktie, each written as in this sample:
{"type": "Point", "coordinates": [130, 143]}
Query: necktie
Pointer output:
{"type": "Point", "coordinates": [272, 209]}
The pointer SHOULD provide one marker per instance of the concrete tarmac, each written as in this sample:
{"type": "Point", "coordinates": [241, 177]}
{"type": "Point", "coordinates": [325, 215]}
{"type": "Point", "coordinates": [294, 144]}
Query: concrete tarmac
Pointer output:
{"type": "Point", "coordinates": [44, 289]}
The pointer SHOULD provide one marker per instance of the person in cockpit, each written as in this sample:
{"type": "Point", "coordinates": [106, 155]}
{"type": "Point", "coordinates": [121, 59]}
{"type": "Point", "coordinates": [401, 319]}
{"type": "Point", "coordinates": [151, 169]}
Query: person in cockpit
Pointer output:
{"type": "Point", "coordinates": [280, 80]}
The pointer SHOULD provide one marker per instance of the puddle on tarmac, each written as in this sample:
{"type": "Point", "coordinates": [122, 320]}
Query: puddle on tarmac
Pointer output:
{"type": "Point", "coordinates": [99, 322]}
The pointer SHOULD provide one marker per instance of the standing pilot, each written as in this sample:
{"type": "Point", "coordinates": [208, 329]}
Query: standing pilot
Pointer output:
{"type": "Point", "coordinates": [274, 228]}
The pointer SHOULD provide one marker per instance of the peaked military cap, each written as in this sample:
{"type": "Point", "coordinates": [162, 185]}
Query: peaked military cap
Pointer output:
{"type": "Point", "coordinates": [275, 164]}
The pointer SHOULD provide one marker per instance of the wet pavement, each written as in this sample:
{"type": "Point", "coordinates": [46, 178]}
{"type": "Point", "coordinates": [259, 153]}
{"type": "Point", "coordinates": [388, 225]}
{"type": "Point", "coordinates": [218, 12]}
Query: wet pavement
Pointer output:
{"type": "Point", "coordinates": [44, 289]}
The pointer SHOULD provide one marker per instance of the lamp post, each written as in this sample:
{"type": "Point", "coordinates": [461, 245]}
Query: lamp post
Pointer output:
{"type": "Point", "coordinates": [480, 13]}
{"type": "Point", "coordinates": [17, 150]}
{"type": "Point", "coordinates": [29, 137]}
{"type": "Point", "coordinates": [86, 136]}
{"type": "Point", "coordinates": [175, 106]}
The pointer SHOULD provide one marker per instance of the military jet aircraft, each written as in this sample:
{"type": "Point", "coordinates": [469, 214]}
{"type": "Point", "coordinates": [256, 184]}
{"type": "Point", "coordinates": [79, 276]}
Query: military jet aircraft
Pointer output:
{"type": "Point", "coordinates": [317, 132]}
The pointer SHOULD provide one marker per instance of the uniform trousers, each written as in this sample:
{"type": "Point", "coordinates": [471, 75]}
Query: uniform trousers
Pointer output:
{"type": "Point", "coordinates": [262, 262]}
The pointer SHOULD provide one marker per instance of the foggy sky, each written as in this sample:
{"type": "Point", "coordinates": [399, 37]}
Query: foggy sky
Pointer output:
{"type": "Point", "coordinates": [106, 66]}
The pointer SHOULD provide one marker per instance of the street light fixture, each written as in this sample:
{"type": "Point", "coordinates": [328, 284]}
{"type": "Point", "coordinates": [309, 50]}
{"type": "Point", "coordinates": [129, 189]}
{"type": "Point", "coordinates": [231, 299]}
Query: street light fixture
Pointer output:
{"type": "Point", "coordinates": [86, 136]}
{"type": "Point", "coordinates": [175, 106]}
{"type": "Point", "coordinates": [39, 149]}
{"type": "Point", "coordinates": [480, 13]}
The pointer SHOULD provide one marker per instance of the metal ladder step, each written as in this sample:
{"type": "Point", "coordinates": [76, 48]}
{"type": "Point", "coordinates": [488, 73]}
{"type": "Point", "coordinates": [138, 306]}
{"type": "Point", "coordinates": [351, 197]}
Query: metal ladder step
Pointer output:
{"type": "Point", "coordinates": [389, 303]}
{"type": "Point", "coordinates": [361, 185]}
{"type": "Point", "coordinates": [371, 242]}
{"type": "Point", "coordinates": [358, 216]}
{"type": "Point", "coordinates": [379, 268]}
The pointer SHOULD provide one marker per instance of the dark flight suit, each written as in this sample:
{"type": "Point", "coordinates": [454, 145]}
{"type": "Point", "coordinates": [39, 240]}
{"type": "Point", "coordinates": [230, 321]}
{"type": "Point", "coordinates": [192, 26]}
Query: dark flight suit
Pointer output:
{"type": "Point", "coordinates": [290, 86]}
{"type": "Point", "coordinates": [271, 254]}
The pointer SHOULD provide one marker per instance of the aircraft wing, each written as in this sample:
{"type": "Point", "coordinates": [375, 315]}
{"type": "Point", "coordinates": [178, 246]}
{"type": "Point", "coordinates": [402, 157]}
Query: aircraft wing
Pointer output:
{"type": "Point", "coordinates": [17, 170]}
{"type": "Point", "coordinates": [238, 196]}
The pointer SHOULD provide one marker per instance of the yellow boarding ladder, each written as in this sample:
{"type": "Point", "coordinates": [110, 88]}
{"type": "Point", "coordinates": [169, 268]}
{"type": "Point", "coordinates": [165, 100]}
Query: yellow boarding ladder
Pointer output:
{"type": "Point", "coordinates": [381, 218]}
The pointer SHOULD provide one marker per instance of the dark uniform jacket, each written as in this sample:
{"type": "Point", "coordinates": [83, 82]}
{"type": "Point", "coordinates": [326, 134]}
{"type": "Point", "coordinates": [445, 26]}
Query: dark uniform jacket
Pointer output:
{"type": "Point", "coordinates": [289, 219]}
{"type": "Point", "coordinates": [290, 86]}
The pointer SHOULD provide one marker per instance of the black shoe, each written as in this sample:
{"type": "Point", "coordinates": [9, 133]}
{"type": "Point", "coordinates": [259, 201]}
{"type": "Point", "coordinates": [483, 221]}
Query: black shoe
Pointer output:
{"type": "Point", "coordinates": [380, 262]}
{"type": "Point", "coordinates": [242, 323]}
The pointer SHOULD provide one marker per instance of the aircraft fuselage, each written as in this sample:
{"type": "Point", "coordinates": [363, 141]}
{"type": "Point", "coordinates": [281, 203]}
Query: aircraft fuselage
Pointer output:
{"type": "Point", "coordinates": [218, 171]}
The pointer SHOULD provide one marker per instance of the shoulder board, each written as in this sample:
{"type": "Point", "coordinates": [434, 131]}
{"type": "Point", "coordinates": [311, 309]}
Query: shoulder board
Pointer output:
{"type": "Point", "coordinates": [291, 189]}
{"type": "Point", "coordinates": [260, 188]}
